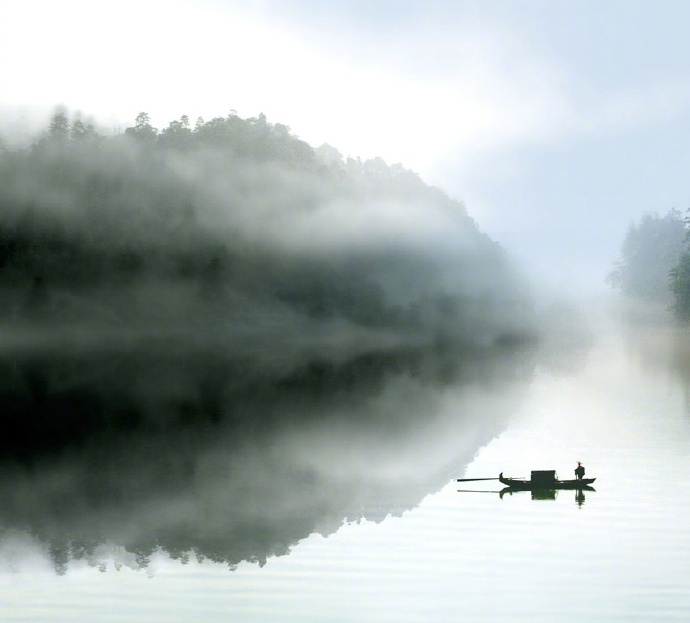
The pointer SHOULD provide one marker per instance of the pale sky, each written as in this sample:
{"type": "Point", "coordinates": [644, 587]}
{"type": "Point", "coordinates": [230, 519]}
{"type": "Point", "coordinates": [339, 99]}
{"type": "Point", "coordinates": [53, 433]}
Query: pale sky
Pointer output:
{"type": "Point", "coordinates": [557, 123]}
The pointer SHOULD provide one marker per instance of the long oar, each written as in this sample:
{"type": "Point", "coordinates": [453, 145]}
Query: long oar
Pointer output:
{"type": "Point", "coordinates": [473, 479]}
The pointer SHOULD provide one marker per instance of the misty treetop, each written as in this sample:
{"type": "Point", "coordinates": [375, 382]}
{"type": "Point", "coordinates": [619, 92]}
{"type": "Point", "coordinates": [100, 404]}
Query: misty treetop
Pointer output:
{"type": "Point", "coordinates": [238, 219]}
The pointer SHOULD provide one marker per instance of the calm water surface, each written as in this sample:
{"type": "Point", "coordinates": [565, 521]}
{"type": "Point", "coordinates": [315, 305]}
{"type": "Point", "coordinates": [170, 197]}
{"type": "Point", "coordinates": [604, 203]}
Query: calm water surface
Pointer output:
{"type": "Point", "coordinates": [419, 549]}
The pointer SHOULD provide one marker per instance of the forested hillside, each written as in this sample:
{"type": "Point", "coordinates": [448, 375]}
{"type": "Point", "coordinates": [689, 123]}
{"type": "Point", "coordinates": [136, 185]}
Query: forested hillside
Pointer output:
{"type": "Point", "coordinates": [236, 222]}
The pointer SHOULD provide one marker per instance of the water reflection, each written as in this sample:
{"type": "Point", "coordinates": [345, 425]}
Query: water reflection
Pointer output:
{"type": "Point", "coordinates": [547, 494]}
{"type": "Point", "coordinates": [579, 497]}
{"type": "Point", "coordinates": [113, 454]}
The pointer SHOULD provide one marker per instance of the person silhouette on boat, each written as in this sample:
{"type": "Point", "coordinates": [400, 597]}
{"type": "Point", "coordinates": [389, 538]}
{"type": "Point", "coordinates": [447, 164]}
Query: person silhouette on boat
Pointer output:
{"type": "Point", "coordinates": [579, 471]}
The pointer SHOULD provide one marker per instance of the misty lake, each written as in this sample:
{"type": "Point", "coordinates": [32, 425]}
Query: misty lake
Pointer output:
{"type": "Point", "coordinates": [299, 487]}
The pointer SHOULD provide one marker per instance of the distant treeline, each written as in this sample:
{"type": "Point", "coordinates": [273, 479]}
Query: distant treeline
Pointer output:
{"type": "Point", "coordinates": [238, 218]}
{"type": "Point", "coordinates": [655, 262]}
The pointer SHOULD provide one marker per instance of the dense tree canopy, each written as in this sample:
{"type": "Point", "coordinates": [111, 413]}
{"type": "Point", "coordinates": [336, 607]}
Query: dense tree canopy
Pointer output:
{"type": "Point", "coordinates": [651, 249]}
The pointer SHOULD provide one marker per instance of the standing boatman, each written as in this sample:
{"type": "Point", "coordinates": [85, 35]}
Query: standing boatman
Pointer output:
{"type": "Point", "coordinates": [579, 470]}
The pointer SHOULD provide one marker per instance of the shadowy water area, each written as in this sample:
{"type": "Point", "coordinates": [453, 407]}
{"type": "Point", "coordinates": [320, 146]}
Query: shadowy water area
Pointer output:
{"type": "Point", "coordinates": [192, 452]}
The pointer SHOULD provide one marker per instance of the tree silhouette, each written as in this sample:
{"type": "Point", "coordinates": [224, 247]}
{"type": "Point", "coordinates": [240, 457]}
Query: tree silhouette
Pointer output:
{"type": "Point", "coordinates": [142, 131]}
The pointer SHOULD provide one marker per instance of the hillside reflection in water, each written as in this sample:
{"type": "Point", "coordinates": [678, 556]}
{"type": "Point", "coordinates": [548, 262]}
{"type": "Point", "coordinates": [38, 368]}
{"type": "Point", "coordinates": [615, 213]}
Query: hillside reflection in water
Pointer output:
{"type": "Point", "coordinates": [113, 454]}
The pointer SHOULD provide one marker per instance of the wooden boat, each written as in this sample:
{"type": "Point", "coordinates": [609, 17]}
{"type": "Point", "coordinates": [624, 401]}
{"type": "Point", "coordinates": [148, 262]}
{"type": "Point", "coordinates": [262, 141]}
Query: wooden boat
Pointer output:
{"type": "Point", "coordinates": [544, 480]}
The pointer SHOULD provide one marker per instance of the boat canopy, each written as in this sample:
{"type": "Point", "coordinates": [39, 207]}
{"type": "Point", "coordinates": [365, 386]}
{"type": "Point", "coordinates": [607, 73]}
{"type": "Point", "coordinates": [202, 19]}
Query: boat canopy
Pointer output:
{"type": "Point", "coordinates": [542, 478]}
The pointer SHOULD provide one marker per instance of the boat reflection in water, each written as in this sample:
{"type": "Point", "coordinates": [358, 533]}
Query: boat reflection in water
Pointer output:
{"type": "Point", "coordinates": [548, 494]}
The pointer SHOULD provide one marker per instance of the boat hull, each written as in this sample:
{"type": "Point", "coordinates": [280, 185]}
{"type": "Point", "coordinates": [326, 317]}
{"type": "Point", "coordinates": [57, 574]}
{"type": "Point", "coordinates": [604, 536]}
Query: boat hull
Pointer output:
{"type": "Point", "coordinates": [528, 485]}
